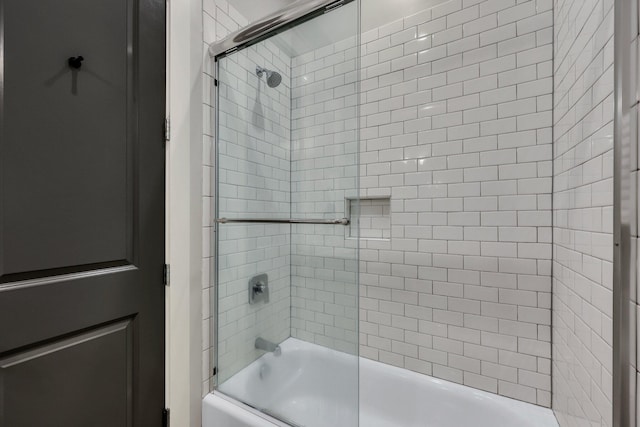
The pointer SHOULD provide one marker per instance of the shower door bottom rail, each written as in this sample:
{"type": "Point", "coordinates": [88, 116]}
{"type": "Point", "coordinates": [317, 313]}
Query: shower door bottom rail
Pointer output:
{"type": "Point", "coordinates": [337, 221]}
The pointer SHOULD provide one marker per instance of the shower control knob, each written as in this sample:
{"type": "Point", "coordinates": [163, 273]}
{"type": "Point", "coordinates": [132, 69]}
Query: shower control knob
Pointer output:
{"type": "Point", "coordinates": [259, 288]}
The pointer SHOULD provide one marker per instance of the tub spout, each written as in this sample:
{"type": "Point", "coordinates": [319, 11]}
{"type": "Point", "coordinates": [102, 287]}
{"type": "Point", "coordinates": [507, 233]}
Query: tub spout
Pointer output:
{"type": "Point", "coordinates": [265, 345]}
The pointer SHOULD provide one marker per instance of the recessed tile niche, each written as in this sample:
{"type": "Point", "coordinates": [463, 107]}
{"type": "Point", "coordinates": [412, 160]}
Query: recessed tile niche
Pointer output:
{"type": "Point", "coordinates": [375, 217]}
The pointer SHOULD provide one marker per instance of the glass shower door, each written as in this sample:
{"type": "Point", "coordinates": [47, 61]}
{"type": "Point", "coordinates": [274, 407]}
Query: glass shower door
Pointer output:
{"type": "Point", "coordinates": [287, 207]}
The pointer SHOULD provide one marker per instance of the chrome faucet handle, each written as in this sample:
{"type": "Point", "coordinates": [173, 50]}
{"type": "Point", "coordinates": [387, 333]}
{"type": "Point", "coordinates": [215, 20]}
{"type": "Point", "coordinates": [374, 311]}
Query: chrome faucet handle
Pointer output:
{"type": "Point", "coordinates": [259, 287]}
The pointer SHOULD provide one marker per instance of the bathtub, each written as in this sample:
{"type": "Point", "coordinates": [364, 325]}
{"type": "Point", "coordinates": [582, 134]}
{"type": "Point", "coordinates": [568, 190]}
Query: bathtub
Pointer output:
{"type": "Point", "coordinates": [316, 387]}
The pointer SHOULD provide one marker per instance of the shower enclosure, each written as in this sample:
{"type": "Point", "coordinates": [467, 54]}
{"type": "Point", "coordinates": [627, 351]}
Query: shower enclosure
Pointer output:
{"type": "Point", "coordinates": [384, 192]}
{"type": "Point", "coordinates": [287, 217]}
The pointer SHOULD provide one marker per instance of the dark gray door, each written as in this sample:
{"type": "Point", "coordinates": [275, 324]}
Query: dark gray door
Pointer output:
{"type": "Point", "coordinates": [81, 213]}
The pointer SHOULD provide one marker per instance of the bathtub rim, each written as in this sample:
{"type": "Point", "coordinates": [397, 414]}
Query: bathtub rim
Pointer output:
{"type": "Point", "coordinates": [217, 393]}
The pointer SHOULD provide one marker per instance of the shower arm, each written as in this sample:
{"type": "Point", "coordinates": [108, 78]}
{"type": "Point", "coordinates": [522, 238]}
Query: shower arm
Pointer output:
{"type": "Point", "coordinates": [337, 221]}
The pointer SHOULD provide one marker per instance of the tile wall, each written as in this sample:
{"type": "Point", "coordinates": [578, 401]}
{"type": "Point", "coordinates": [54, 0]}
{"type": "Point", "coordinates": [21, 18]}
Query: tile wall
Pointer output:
{"type": "Point", "coordinates": [583, 212]}
{"type": "Point", "coordinates": [456, 152]}
{"type": "Point", "coordinates": [456, 136]}
{"type": "Point", "coordinates": [324, 178]}
{"type": "Point", "coordinates": [220, 19]}
{"type": "Point", "coordinates": [254, 138]}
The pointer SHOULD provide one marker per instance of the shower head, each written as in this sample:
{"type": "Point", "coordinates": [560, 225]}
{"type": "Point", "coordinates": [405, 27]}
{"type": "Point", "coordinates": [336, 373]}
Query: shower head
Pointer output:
{"type": "Point", "coordinates": [273, 77]}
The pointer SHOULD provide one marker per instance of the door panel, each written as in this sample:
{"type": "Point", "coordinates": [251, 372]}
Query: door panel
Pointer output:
{"type": "Point", "coordinates": [82, 213]}
{"type": "Point", "coordinates": [49, 377]}
{"type": "Point", "coordinates": [66, 146]}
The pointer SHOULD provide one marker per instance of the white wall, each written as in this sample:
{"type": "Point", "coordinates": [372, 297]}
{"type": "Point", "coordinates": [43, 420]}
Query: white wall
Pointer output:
{"type": "Point", "coordinates": [184, 212]}
{"type": "Point", "coordinates": [583, 213]}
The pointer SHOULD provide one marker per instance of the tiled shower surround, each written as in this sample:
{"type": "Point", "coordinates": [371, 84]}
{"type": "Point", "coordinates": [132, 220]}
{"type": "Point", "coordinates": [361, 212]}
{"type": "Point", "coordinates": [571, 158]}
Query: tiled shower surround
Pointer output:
{"type": "Point", "coordinates": [583, 213]}
{"type": "Point", "coordinates": [455, 152]}
{"type": "Point", "coordinates": [456, 136]}
{"type": "Point", "coordinates": [461, 147]}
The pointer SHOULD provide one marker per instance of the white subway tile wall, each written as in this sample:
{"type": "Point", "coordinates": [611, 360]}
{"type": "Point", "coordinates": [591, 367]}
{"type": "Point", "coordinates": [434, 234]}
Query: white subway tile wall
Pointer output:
{"type": "Point", "coordinates": [457, 164]}
{"type": "Point", "coordinates": [243, 247]}
{"type": "Point", "coordinates": [456, 120]}
{"type": "Point", "coordinates": [254, 139]}
{"type": "Point", "coordinates": [218, 19]}
{"type": "Point", "coordinates": [456, 130]}
{"type": "Point", "coordinates": [324, 178]}
{"type": "Point", "coordinates": [259, 178]}
{"type": "Point", "coordinates": [583, 212]}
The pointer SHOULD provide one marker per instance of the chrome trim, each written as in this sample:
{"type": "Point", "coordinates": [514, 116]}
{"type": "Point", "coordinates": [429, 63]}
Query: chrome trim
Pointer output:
{"type": "Point", "coordinates": [624, 136]}
{"type": "Point", "coordinates": [337, 221]}
{"type": "Point", "coordinates": [268, 346]}
{"type": "Point", "coordinates": [264, 26]}
{"type": "Point", "coordinates": [214, 370]}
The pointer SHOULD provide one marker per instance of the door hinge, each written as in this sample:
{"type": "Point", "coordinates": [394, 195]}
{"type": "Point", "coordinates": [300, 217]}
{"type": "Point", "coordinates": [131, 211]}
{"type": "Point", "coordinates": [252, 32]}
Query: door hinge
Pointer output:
{"type": "Point", "coordinates": [166, 275]}
{"type": "Point", "coordinates": [165, 417]}
{"type": "Point", "coordinates": [167, 129]}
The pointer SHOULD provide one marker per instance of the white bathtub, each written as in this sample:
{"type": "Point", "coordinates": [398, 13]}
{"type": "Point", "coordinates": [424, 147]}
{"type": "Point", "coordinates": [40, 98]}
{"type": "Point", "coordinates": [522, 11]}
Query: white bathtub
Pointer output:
{"type": "Point", "coordinates": [316, 387]}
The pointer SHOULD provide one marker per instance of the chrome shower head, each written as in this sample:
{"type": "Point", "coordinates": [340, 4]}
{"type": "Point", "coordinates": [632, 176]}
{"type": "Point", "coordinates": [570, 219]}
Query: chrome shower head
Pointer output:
{"type": "Point", "coordinates": [273, 77]}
